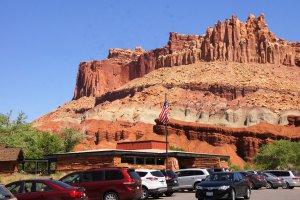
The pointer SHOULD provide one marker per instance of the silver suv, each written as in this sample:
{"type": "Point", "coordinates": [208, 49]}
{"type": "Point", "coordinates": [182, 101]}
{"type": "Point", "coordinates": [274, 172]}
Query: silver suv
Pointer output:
{"type": "Point", "coordinates": [290, 178]}
{"type": "Point", "coordinates": [189, 178]}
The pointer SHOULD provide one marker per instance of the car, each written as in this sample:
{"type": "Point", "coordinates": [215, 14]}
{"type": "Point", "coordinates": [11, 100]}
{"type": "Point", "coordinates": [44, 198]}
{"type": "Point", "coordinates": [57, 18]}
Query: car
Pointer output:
{"type": "Point", "coordinates": [273, 181]}
{"type": "Point", "coordinates": [172, 182]}
{"type": "Point", "coordinates": [189, 178]}
{"type": "Point", "coordinates": [5, 194]}
{"type": "Point", "coordinates": [153, 183]}
{"type": "Point", "coordinates": [291, 178]}
{"type": "Point", "coordinates": [107, 183]}
{"type": "Point", "coordinates": [223, 185]}
{"type": "Point", "coordinates": [45, 189]}
{"type": "Point", "coordinates": [256, 180]}
{"type": "Point", "coordinates": [216, 169]}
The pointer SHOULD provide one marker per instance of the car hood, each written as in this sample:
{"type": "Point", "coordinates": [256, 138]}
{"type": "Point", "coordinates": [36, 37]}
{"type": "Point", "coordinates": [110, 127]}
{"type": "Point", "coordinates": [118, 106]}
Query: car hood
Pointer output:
{"type": "Point", "coordinates": [214, 183]}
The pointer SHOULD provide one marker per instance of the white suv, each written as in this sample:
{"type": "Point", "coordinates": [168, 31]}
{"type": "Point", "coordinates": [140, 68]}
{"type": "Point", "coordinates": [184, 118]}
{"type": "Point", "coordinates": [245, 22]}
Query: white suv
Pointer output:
{"type": "Point", "coordinates": [153, 182]}
{"type": "Point", "coordinates": [189, 178]}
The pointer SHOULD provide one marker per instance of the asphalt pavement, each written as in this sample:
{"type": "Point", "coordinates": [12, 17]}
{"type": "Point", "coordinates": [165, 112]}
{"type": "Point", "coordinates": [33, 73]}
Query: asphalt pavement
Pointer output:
{"type": "Point", "coordinates": [261, 194]}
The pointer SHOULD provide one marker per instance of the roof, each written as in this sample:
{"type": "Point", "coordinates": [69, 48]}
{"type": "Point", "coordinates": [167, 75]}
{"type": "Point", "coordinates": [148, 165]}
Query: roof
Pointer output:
{"type": "Point", "coordinates": [11, 154]}
{"type": "Point", "coordinates": [143, 152]}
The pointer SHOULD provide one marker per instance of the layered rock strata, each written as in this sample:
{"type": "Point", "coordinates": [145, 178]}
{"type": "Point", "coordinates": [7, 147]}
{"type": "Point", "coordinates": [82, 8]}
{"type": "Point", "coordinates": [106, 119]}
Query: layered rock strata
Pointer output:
{"type": "Point", "coordinates": [231, 41]}
{"type": "Point", "coordinates": [247, 140]}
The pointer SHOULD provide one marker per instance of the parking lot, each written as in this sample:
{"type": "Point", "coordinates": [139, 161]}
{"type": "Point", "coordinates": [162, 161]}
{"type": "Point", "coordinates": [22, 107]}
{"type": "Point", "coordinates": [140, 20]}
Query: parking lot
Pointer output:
{"type": "Point", "coordinates": [262, 194]}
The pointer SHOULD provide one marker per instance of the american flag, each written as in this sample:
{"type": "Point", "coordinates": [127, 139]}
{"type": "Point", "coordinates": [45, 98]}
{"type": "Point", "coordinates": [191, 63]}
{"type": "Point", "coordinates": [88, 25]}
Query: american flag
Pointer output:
{"type": "Point", "coordinates": [164, 115]}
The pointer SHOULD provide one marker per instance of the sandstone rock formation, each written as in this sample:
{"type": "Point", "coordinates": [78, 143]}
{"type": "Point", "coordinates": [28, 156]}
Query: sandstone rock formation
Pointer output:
{"type": "Point", "coordinates": [247, 141]}
{"type": "Point", "coordinates": [231, 41]}
{"type": "Point", "coordinates": [230, 91]}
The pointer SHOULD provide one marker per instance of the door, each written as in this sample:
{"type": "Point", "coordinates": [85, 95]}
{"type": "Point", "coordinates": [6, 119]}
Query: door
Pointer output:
{"type": "Point", "coordinates": [239, 184]}
{"type": "Point", "coordinates": [184, 179]}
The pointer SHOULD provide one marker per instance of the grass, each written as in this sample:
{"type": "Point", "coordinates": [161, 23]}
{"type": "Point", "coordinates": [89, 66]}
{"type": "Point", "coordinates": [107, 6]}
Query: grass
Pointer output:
{"type": "Point", "coordinates": [5, 179]}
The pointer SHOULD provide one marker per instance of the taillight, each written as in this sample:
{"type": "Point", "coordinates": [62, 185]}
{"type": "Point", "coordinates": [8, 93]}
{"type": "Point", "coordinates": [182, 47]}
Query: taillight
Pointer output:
{"type": "Point", "coordinates": [168, 178]}
{"type": "Point", "coordinates": [75, 194]}
{"type": "Point", "coordinates": [152, 178]}
{"type": "Point", "coordinates": [259, 178]}
{"type": "Point", "coordinates": [279, 180]}
{"type": "Point", "coordinates": [129, 182]}
{"type": "Point", "coordinates": [296, 179]}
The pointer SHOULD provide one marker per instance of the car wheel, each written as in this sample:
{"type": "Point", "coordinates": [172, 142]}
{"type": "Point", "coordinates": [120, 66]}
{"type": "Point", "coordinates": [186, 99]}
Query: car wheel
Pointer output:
{"type": "Point", "coordinates": [110, 196]}
{"type": "Point", "coordinates": [275, 188]}
{"type": "Point", "coordinates": [248, 193]}
{"type": "Point", "coordinates": [251, 185]}
{"type": "Point", "coordinates": [269, 185]}
{"type": "Point", "coordinates": [145, 193]}
{"type": "Point", "coordinates": [291, 187]}
{"type": "Point", "coordinates": [232, 194]}
{"type": "Point", "coordinates": [285, 185]}
{"type": "Point", "coordinates": [195, 184]}
{"type": "Point", "coordinates": [168, 194]}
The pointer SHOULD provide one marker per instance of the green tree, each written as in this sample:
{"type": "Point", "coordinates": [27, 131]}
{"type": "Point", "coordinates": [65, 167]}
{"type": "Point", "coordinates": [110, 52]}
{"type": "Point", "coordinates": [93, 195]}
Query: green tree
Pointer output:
{"type": "Point", "coordinates": [70, 139]}
{"type": "Point", "coordinates": [35, 144]}
{"type": "Point", "coordinates": [282, 154]}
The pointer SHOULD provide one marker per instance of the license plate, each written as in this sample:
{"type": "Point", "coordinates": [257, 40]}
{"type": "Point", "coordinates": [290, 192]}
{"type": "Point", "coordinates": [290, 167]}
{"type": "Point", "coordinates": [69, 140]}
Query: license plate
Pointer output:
{"type": "Point", "coordinates": [209, 194]}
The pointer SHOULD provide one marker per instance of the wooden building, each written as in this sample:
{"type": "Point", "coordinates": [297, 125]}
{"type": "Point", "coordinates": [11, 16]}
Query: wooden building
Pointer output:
{"type": "Point", "coordinates": [10, 158]}
{"type": "Point", "coordinates": [140, 154]}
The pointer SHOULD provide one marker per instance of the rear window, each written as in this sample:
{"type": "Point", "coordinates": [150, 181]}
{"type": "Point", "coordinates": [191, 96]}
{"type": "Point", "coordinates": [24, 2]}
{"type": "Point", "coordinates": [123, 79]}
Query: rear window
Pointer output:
{"type": "Point", "coordinates": [157, 174]}
{"type": "Point", "coordinates": [142, 174]}
{"type": "Point", "coordinates": [61, 184]}
{"type": "Point", "coordinates": [295, 173]}
{"type": "Point", "coordinates": [280, 173]}
{"type": "Point", "coordinates": [133, 174]}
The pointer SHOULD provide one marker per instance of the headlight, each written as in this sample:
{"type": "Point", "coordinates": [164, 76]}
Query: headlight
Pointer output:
{"type": "Point", "coordinates": [224, 187]}
{"type": "Point", "coordinates": [198, 187]}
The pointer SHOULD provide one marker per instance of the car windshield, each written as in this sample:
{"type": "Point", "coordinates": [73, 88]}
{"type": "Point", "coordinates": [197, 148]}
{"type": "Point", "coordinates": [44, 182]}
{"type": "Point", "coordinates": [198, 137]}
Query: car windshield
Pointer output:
{"type": "Point", "coordinates": [220, 177]}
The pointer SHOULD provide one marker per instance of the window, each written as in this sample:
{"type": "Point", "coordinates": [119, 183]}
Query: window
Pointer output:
{"type": "Point", "coordinates": [113, 175]}
{"type": "Point", "coordinates": [140, 161]}
{"type": "Point", "coordinates": [157, 174]}
{"type": "Point", "coordinates": [184, 173]}
{"type": "Point", "coordinates": [98, 175]}
{"type": "Point", "coordinates": [197, 172]}
{"type": "Point", "coordinates": [28, 187]}
{"type": "Point", "coordinates": [142, 174]}
{"type": "Point", "coordinates": [15, 188]}
{"type": "Point", "coordinates": [129, 160]}
{"type": "Point", "coordinates": [87, 177]}
{"type": "Point", "coordinates": [150, 161]}
{"type": "Point", "coordinates": [280, 173]}
{"type": "Point", "coordinates": [133, 174]}
{"type": "Point", "coordinates": [72, 178]}
{"type": "Point", "coordinates": [160, 161]}
{"type": "Point", "coordinates": [42, 187]}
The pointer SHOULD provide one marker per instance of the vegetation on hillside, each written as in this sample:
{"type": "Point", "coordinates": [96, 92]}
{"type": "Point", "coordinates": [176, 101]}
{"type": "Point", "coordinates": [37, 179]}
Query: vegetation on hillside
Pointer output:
{"type": "Point", "coordinates": [282, 154]}
{"type": "Point", "coordinates": [35, 144]}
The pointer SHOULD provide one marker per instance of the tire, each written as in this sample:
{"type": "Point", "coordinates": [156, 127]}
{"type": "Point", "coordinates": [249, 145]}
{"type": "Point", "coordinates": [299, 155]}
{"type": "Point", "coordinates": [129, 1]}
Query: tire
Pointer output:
{"type": "Point", "coordinates": [291, 187]}
{"type": "Point", "coordinates": [248, 194]}
{"type": "Point", "coordinates": [269, 185]}
{"type": "Point", "coordinates": [145, 194]}
{"type": "Point", "coordinates": [275, 188]}
{"type": "Point", "coordinates": [233, 197]}
{"type": "Point", "coordinates": [195, 184]}
{"type": "Point", "coordinates": [168, 194]}
{"type": "Point", "coordinates": [285, 185]}
{"type": "Point", "coordinates": [110, 196]}
{"type": "Point", "coordinates": [251, 185]}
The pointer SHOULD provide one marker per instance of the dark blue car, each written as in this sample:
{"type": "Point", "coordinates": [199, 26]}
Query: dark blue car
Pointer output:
{"type": "Point", "coordinates": [224, 185]}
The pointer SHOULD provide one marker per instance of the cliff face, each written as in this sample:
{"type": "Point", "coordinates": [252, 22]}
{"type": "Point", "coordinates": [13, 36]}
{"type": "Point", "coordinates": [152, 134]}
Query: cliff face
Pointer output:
{"type": "Point", "coordinates": [231, 41]}
{"type": "Point", "coordinates": [247, 140]}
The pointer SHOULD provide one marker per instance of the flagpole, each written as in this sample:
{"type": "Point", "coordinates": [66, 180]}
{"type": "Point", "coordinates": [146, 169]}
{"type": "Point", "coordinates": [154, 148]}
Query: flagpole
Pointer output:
{"type": "Point", "coordinates": [166, 126]}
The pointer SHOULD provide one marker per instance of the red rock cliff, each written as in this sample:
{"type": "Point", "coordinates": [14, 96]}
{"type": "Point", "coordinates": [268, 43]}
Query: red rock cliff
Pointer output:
{"type": "Point", "coordinates": [231, 41]}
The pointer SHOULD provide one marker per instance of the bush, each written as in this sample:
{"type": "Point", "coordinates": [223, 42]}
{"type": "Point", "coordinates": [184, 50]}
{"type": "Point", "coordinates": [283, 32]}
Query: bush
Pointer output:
{"type": "Point", "coordinates": [282, 154]}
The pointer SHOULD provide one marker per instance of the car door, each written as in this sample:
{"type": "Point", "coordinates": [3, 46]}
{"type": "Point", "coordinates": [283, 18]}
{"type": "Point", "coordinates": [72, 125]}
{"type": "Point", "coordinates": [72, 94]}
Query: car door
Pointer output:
{"type": "Point", "coordinates": [16, 189]}
{"type": "Point", "coordinates": [93, 182]}
{"type": "Point", "coordinates": [239, 185]}
{"type": "Point", "coordinates": [29, 192]}
{"type": "Point", "coordinates": [183, 178]}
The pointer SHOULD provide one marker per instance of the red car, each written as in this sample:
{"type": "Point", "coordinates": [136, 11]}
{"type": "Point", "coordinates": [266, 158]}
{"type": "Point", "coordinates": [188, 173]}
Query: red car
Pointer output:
{"type": "Point", "coordinates": [45, 189]}
{"type": "Point", "coordinates": [107, 183]}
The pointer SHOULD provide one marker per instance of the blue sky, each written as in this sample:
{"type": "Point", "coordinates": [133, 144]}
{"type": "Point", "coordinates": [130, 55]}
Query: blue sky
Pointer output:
{"type": "Point", "coordinates": [43, 41]}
